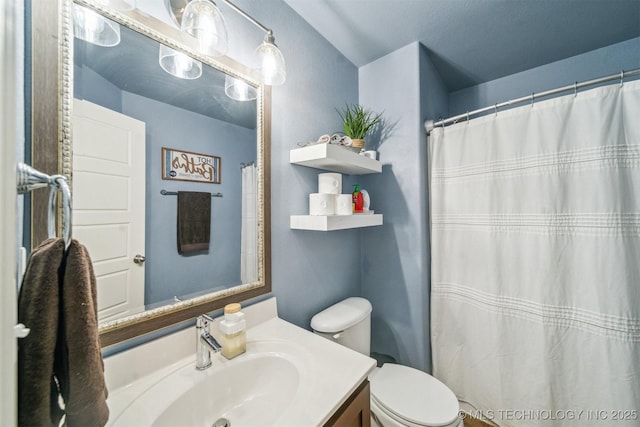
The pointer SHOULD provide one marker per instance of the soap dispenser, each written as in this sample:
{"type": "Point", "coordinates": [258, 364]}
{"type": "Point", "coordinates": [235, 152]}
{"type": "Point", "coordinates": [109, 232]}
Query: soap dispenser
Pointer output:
{"type": "Point", "coordinates": [358, 199]}
{"type": "Point", "coordinates": [233, 335]}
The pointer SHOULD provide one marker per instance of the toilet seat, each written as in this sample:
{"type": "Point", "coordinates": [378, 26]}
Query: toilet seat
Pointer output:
{"type": "Point", "coordinates": [413, 397]}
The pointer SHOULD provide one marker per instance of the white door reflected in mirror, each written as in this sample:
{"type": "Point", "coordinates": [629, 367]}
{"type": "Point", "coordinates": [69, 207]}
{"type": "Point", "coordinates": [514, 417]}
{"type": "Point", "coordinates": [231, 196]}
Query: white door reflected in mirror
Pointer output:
{"type": "Point", "coordinates": [109, 204]}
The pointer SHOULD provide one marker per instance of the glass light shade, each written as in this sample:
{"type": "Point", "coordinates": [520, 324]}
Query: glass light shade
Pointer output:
{"type": "Point", "coordinates": [269, 63]}
{"type": "Point", "coordinates": [94, 28]}
{"type": "Point", "coordinates": [202, 19]}
{"type": "Point", "coordinates": [178, 64]}
{"type": "Point", "coordinates": [238, 89]}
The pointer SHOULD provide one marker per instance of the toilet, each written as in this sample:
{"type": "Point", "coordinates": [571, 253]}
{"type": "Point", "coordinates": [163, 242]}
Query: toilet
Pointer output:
{"type": "Point", "coordinates": [400, 395]}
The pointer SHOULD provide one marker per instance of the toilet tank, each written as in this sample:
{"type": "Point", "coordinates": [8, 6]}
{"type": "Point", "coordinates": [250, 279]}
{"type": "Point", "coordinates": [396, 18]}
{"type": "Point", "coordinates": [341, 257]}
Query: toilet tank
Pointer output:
{"type": "Point", "coordinates": [347, 322]}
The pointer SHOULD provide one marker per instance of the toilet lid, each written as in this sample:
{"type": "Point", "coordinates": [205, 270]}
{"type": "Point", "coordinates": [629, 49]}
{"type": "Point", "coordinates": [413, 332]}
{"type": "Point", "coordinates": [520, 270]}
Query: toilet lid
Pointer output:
{"type": "Point", "coordinates": [414, 395]}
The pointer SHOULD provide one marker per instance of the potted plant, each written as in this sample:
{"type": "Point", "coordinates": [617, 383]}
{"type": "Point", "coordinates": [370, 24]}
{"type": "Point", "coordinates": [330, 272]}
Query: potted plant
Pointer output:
{"type": "Point", "coordinates": [357, 122]}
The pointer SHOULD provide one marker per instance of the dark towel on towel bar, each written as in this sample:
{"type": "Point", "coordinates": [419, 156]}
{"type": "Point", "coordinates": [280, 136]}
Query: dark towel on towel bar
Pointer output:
{"type": "Point", "coordinates": [194, 221]}
{"type": "Point", "coordinates": [61, 355]}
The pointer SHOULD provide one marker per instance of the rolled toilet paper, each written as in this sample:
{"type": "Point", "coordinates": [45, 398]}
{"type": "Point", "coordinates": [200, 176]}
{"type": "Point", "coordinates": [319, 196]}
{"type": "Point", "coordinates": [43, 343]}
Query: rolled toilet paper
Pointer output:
{"type": "Point", "coordinates": [330, 183]}
{"type": "Point", "coordinates": [343, 204]}
{"type": "Point", "coordinates": [322, 204]}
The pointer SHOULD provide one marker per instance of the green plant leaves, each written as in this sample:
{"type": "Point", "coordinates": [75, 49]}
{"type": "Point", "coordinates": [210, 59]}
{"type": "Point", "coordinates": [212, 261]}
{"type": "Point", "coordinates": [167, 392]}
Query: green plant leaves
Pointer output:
{"type": "Point", "coordinates": [357, 120]}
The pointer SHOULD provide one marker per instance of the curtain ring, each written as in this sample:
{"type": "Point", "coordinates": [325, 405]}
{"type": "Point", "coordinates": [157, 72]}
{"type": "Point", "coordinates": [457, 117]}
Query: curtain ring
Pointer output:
{"type": "Point", "coordinates": [442, 122]}
{"type": "Point", "coordinates": [575, 89]}
{"type": "Point", "coordinates": [467, 117]}
{"type": "Point", "coordinates": [621, 77]}
{"type": "Point", "coordinates": [495, 109]}
{"type": "Point", "coordinates": [532, 95]}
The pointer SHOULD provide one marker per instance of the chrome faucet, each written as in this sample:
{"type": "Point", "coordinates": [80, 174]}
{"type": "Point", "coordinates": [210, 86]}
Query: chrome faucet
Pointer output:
{"type": "Point", "coordinates": [205, 343]}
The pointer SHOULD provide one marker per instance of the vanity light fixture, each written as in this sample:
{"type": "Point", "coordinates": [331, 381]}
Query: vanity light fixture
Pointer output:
{"type": "Point", "coordinates": [268, 66]}
{"type": "Point", "coordinates": [238, 89]}
{"type": "Point", "coordinates": [94, 28]}
{"type": "Point", "coordinates": [178, 64]}
{"type": "Point", "coordinates": [202, 20]}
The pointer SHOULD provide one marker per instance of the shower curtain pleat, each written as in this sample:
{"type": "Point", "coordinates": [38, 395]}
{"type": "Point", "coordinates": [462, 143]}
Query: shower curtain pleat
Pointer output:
{"type": "Point", "coordinates": [535, 246]}
{"type": "Point", "coordinates": [249, 228]}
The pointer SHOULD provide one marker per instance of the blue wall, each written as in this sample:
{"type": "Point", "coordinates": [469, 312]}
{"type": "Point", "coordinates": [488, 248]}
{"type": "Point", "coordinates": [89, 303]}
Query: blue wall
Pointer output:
{"type": "Point", "coordinates": [590, 65]}
{"type": "Point", "coordinates": [310, 270]}
{"type": "Point", "coordinates": [395, 257]}
{"type": "Point", "coordinates": [90, 86]}
{"type": "Point", "coordinates": [172, 127]}
{"type": "Point", "coordinates": [166, 126]}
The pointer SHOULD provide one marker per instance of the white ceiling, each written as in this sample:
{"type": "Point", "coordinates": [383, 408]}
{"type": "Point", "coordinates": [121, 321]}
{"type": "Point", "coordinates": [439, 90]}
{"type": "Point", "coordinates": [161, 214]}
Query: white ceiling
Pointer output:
{"type": "Point", "coordinates": [472, 41]}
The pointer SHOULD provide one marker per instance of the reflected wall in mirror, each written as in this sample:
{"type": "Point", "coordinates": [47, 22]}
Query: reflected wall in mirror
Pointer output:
{"type": "Point", "coordinates": [126, 108]}
{"type": "Point", "coordinates": [145, 109]}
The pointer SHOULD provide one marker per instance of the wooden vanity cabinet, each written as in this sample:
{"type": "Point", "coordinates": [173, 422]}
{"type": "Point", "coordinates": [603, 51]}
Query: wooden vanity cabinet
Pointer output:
{"type": "Point", "coordinates": [356, 411]}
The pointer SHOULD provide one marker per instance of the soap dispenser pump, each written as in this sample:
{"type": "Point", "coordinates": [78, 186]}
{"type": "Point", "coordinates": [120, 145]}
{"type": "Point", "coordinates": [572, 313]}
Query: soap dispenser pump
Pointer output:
{"type": "Point", "coordinates": [233, 335]}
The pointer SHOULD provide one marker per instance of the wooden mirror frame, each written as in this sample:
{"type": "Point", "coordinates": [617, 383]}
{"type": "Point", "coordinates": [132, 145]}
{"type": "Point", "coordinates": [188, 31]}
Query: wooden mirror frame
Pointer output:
{"type": "Point", "coordinates": [52, 148]}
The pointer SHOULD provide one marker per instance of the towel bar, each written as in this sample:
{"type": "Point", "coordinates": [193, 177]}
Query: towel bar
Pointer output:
{"type": "Point", "coordinates": [29, 179]}
{"type": "Point", "coordinates": [175, 193]}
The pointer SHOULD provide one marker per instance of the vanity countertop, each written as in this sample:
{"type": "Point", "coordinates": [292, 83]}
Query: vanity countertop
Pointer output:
{"type": "Point", "coordinates": [328, 373]}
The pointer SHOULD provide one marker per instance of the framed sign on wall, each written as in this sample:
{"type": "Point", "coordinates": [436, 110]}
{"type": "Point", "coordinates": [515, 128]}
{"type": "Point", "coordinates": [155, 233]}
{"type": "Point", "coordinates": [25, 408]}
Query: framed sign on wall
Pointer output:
{"type": "Point", "coordinates": [183, 165]}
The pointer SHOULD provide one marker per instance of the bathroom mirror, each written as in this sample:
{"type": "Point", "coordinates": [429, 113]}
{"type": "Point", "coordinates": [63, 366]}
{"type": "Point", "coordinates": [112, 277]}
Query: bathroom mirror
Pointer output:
{"type": "Point", "coordinates": [188, 116]}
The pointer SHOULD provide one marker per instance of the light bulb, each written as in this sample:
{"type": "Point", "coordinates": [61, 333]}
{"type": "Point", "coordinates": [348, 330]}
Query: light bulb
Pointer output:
{"type": "Point", "coordinates": [183, 63]}
{"type": "Point", "coordinates": [92, 22]}
{"type": "Point", "coordinates": [269, 68]}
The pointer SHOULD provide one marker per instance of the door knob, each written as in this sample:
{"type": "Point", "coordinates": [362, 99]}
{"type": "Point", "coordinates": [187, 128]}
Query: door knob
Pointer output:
{"type": "Point", "coordinates": [139, 259]}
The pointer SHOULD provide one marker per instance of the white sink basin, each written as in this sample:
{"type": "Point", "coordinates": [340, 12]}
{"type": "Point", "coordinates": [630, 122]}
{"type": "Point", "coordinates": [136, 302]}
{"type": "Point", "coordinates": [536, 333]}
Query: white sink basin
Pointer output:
{"type": "Point", "coordinates": [288, 377]}
{"type": "Point", "coordinates": [252, 389]}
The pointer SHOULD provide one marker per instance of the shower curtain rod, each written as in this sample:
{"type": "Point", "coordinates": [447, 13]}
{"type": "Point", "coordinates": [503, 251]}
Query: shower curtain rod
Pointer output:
{"type": "Point", "coordinates": [429, 125]}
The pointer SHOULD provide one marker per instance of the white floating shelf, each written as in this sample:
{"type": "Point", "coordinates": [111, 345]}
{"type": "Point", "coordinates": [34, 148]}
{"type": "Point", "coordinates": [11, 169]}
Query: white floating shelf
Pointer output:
{"type": "Point", "coordinates": [334, 158]}
{"type": "Point", "coordinates": [334, 222]}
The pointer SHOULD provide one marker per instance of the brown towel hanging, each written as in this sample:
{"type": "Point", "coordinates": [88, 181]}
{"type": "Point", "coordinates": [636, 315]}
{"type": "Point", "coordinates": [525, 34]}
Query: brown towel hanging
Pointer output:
{"type": "Point", "coordinates": [194, 221]}
{"type": "Point", "coordinates": [38, 310]}
{"type": "Point", "coordinates": [61, 355]}
{"type": "Point", "coordinates": [79, 367]}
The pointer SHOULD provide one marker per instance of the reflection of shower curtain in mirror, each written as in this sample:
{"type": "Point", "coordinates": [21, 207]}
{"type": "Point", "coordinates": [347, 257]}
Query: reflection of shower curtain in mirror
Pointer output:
{"type": "Point", "coordinates": [535, 246]}
{"type": "Point", "coordinates": [249, 231]}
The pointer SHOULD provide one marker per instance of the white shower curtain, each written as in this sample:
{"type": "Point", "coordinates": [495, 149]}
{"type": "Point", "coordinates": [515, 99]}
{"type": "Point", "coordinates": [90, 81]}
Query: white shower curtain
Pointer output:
{"type": "Point", "coordinates": [249, 229]}
{"type": "Point", "coordinates": [535, 245]}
